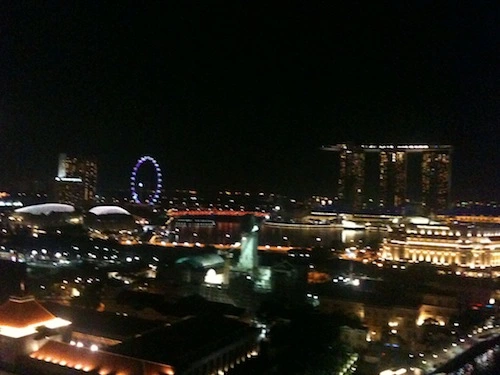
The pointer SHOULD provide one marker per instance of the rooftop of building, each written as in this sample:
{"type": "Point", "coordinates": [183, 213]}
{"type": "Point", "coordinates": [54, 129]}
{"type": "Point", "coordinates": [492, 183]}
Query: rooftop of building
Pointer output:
{"type": "Point", "coordinates": [204, 261]}
{"type": "Point", "coordinates": [186, 341]}
{"type": "Point", "coordinates": [489, 209]}
{"type": "Point", "coordinates": [178, 308]}
{"type": "Point", "coordinates": [103, 324]}
{"type": "Point", "coordinates": [23, 315]}
{"type": "Point", "coordinates": [406, 147]}
{"type": "Point", "coordinates": [21, 312]}
{"type": "Point", "coordinates": [454, 229]}
{"type": "Point", "coordinates": [46, 209]}
{"type": "Point", "coordinates": [108, 210]}
{"type": "Point", "coordinates": [374, 293]}
{"type": "Point", "coordinates": [382, 300]}
{"type": "Point", "coordinates": [55, 353]}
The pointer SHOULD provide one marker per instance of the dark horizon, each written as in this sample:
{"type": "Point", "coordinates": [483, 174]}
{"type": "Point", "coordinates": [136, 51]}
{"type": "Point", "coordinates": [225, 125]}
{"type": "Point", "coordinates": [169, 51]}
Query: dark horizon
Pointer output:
{"type": "Point", "coordinates": [242, 95]}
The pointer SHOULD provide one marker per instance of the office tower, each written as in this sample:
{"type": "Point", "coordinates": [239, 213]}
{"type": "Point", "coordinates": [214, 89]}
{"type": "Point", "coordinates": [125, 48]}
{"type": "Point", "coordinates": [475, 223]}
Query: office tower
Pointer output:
{"type": "Point", "coordinates": [393, 176]}
{"type": "Point", "coordinates": [76, 179]}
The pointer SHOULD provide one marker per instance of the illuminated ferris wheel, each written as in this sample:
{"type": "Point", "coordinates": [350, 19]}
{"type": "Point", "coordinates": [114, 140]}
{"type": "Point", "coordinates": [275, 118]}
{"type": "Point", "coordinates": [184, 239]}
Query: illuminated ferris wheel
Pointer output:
{"type": "Point", "coordinates": [135, 185]}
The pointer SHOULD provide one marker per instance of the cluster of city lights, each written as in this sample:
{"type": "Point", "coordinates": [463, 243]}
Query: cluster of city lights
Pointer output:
{"type": "Point", "coordinates": [219, 212]}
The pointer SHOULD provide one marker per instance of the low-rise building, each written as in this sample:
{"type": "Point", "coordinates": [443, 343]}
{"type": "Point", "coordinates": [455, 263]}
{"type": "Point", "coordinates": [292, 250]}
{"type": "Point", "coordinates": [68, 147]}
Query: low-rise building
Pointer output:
{"type": "Point", "coordinates": [392, 320]}
{"type": "Point", "coordinates": [25, 326]}
{"type": "Point", "coordinates": [474, 249]}
{"type": "Point", "coordinates": [34, 341]}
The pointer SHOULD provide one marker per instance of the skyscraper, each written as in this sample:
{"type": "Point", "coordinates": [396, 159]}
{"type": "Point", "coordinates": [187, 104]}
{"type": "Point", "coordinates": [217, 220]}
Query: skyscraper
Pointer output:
{"type": "Point", "coordinates": [352, 177]}
{"type": "Point", "coordinates": [76, 179]}
{"type": "Point", "coordinates": [392, 178]}
{"type": "Point", "coordinates": [436, 181]}
{"type": "Point", "coordinates": [407, 174]}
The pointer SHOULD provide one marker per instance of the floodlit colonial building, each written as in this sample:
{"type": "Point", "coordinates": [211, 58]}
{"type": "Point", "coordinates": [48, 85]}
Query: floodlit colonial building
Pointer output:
{"type": "Point", "coordinates": [468, 246]}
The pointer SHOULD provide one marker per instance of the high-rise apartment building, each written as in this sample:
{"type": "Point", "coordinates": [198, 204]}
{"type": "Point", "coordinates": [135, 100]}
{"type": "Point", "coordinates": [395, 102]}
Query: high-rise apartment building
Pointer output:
{"type": "Point", "coordinates": [392, 176]}
{"type": "Point", "coordinates": [76, 179]}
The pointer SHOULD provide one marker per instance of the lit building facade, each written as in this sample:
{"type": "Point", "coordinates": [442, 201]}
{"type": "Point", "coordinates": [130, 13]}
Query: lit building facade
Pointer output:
{"type": "Point", "coordinates": [76, 180]}
{"type": "Point", "coordinates": [436, 181]}
{"type": "Point", "coordinates": [391, 176]}
{"type": "Point", "coordinates": [352, 177]}
{"type": "Point", "coordinates": [476, 251]}
{"type": "Point", "coordinates": [25, 326]}
{"type": "Point", "coordinates": [191, 346]}
{"type": "Point", "coordinates": [388, 322]}
{"type": "Point", "coordinates": [35, 341]}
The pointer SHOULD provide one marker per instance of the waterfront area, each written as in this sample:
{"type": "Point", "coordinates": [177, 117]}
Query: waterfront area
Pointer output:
{"type": "Point", "coordinates": [414, 314]}
{"type": "Point", "coordinates": [247, 188]}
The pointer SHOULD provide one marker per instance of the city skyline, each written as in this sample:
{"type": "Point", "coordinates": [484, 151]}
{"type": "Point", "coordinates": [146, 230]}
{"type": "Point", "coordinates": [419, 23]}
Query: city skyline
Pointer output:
{"type": "Point", "coordinates": [243, 96]}
{"type": "Point", "coordinates": [76, 179]}
{"type": "Point", "coordinates": [393, 176]}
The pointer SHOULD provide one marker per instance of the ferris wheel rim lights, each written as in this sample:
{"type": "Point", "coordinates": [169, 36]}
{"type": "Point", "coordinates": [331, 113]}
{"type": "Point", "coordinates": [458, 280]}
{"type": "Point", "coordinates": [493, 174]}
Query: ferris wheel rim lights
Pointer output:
{"type": "Point", "coordinates": [133, 186]}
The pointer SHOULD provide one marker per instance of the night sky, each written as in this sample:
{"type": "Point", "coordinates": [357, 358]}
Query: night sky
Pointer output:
{"type": "Point", "coordinates": [241, 94]}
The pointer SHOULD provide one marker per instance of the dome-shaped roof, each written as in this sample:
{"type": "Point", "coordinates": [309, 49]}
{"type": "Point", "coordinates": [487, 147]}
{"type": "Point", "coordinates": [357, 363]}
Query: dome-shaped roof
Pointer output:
{"type": "Point", "coordinates": [45, 208]}
{"type": "Point", "coordinates": [419, 220]}
{"type": "Point", "coordinates": [108, 210]}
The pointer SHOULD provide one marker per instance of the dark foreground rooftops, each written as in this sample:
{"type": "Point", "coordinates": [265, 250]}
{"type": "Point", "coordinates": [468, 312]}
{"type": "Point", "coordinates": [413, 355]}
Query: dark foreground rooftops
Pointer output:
{"type": "Point", "coordinates": [187, 341]}
{"type": "Point", "coordinates": [107, 324]}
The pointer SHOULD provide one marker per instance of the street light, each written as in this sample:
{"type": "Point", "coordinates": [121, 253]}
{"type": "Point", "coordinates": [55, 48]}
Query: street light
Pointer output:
{"type": "Point", "coordinates": [285, 239]}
